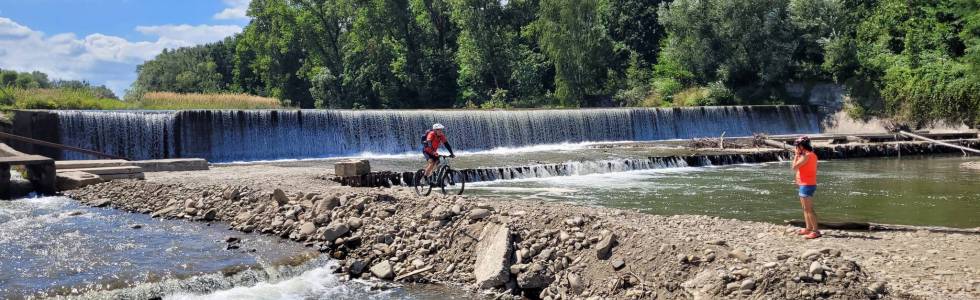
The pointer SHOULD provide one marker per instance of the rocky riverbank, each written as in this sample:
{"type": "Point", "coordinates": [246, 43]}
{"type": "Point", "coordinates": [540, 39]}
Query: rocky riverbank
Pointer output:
{"type": "Point", "coordinates": [560, 251]}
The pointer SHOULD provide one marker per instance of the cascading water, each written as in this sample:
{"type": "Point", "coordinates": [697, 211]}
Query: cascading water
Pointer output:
{"type": "Point", "coordinates": [140, 134]}
{"type": "Point", "coordinates": [228, 135]}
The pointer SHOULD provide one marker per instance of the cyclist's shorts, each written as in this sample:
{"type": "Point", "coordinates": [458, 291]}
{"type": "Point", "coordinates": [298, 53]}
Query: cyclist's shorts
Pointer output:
{"type": "Point", "coordinates": [430, 156]}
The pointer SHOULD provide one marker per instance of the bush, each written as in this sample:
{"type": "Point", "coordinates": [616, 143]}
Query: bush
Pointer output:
{"type": "Point", "coordinates": [666, 88]}
{"type": "Point", "coordinates": [693, 96]}
{"type": "Point", "coordinates": [498, 99]}
{"type": "Point", "coordinates": [632, 97]}
{"type": "Point", "coordinates": [719, 94]}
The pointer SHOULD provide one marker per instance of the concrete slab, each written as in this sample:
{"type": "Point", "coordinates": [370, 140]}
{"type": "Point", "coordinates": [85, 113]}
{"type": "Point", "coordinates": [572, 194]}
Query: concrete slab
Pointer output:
{"type": "Point", "coordinates": [107, 170]}
{"type": "Point", "coordinates": [69, 180]}
{"type": "Point", "coordinates": [171, 165]}
{"type": "Point", "coordinates": [84, 164]}
{"type": "Point", "coordinates": [110, 177]}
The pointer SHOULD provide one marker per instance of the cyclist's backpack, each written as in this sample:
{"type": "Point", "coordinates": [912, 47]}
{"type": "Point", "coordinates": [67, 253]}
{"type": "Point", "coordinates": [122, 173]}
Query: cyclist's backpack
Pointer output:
{"type": "Point", "coordinates": [425, 136]}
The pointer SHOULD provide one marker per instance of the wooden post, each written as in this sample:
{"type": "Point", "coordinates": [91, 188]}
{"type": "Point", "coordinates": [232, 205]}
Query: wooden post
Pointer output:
{"type": "Point", "coordinates": [721, 141]}
{"type": "Point", "coordinates": [42, 176]}
{"type": "Point", "coordinates": [939, 142]}
{"type": "Point", "coordinates": [776, 144]}
{"type": "Point", "coordinates": [4, 181]}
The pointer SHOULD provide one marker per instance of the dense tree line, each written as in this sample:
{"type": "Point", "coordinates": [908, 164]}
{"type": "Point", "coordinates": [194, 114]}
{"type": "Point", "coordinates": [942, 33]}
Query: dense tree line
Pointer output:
{"type": "Point", "coordinates": [913, 60]}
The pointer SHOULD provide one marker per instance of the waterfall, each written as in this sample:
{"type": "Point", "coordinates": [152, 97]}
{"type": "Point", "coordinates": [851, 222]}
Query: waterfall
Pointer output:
{"type": "Point", "coordinates": [231, 135]}
{"type": "Point", "coordinates": [127, 134]}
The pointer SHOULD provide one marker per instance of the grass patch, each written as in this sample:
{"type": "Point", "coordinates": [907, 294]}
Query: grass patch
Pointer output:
{"type": "Point", "coordinates": [62, 98]}
{"type": "Point", "coordinates": [166, 100]}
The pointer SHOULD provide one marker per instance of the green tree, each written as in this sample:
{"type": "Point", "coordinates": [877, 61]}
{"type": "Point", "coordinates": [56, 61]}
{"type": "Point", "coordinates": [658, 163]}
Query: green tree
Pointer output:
{"type": "Point", "coordinates": [483, 48]}
{"type": "Point", "coordinates": [571, 34]}
{"type": "Point", "coordinates": [737, 42]}
{"type": "Point", "coordinates": [913, 55]}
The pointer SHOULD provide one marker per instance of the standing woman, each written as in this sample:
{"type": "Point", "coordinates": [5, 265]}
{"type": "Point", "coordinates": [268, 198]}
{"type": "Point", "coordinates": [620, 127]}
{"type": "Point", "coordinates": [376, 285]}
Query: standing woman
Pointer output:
{"type": "Point", "coordinates": [805, 165]}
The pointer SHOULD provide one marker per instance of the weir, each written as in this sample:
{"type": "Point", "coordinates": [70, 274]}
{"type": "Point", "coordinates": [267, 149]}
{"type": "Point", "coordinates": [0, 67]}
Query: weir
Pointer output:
{"type": "Point", "coordinates": [242, 135]}
{"type": "Point", "coordinates": [573, 168]}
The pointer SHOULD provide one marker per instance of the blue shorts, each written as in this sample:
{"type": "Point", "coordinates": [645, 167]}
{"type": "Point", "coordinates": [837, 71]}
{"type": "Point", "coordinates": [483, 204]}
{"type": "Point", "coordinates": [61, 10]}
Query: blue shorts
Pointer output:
{"type": "Point", "coordinates": [807, 190]}
{"type": "Point", "coordinates": [430, 156]}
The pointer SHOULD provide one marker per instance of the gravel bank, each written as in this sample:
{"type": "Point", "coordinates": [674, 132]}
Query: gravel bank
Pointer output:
{"type": "Point", "coordinates": [561, 251]}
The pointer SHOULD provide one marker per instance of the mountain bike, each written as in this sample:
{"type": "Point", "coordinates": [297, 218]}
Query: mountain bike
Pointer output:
{"type": "Point", "coordinates": [448, 180]}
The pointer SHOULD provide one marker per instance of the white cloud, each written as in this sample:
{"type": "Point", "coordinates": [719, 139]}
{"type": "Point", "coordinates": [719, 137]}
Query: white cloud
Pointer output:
{"type": "Point", "coordinates": [199, 34]}
{"type": "Point", "coordinates": [12, 30]}
{"type": "Point", "coordinates": [236, 10]}
{"type": "Point", "coordinates": [98, 58]}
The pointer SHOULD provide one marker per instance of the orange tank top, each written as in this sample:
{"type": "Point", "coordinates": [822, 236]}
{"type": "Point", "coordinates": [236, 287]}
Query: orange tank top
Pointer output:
{"type": "Point", "coordinates": [807, 173]}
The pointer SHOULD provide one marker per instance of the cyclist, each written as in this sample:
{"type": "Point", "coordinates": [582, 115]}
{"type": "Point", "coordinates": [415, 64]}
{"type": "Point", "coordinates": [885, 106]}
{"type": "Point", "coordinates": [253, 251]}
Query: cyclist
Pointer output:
{"type": "Point", "coordinates": [433, 139]}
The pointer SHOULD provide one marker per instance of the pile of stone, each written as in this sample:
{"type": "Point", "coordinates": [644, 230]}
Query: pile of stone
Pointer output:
{"type": "Point", "coordinates": [533, 252]}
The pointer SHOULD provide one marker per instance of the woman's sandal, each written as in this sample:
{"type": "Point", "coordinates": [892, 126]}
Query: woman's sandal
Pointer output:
{"type": "Point", "coordinates": [813, 235]}
{"type": "Point", "coordinates": [803, 231]}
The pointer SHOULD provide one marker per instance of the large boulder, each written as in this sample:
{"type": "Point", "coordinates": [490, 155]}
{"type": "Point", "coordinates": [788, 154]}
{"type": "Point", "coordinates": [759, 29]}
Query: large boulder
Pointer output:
{"type": "Point", "coordinates": [352, 167]}
{"type": "Point", "coordinates": [383, 270]}
{"type": "Point", "coordinates": [604, 247]}
{"type": "Point", "coordinates": [280, 197]}
{"type": "Point", "coordinates": [493, 253]}
{"type": "Point", "coordinates": [323, 206]}
{"type": "Point", "coordinates": [536, 276]}
{"type": "Point", "coordinates": [334, 231]}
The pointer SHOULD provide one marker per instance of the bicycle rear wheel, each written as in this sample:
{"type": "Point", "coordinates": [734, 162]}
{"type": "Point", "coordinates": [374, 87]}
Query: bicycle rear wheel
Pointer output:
{"type": "Point", "coordinates": [453, 182]}
{"type": "Point", "coordinates": [422, 187]}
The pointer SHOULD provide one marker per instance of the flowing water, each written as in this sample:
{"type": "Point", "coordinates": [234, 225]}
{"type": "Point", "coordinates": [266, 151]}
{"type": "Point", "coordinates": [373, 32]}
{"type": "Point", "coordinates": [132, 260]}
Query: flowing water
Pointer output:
{"type": "Point", "coordinates": [911, 190]}
{"type": "Point", "coordinates": [53, 246]}
{"type": "Point", "coordinates": [226, 135]}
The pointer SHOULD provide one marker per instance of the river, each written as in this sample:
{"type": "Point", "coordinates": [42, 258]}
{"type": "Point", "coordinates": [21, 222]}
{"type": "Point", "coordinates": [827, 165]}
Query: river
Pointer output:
{"type": "Point", "coordinates": [912, 190]}
{"type": "Point", "coordinates": [54, 247]}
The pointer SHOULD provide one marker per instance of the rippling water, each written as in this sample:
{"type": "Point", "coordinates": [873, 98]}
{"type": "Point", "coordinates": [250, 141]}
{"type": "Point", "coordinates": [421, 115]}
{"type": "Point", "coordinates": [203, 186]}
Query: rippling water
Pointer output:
{"type": "Point", "coordinates": [910, 190]}
{"type": "Point", "coordinates": [53, 246]}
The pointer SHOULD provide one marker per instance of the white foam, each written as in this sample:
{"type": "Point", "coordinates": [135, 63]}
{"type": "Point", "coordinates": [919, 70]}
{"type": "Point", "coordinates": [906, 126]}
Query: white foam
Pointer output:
{"type": "Point", "coordinates": [318, 283]}
{"type": "Point", "coordinates": [560, 147]}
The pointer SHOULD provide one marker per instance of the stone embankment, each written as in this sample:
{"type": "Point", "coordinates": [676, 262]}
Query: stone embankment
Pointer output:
{"type": "Point", "coordinates": [529, 249]}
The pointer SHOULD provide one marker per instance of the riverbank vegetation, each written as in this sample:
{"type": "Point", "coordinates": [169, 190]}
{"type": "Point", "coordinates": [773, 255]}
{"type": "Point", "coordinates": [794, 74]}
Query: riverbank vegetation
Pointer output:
{"type": "Point", "coordinates": [168, 100]}
{"type": "Point", "coordinates": [33, 90]}
{"type": "Point", "coordinates": [911, 60]}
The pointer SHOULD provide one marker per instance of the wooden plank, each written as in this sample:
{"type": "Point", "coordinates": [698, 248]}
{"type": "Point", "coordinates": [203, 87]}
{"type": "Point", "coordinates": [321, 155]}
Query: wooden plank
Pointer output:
{"type": "Point", "coordinates": [58, 146]}
{"type": "Point", "coordinates": [776, 144]}
{"type": "Point", "coordinates": [409, 274]}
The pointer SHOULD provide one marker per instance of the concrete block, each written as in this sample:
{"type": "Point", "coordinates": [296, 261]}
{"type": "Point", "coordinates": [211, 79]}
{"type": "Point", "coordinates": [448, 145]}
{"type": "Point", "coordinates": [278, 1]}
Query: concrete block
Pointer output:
{"type": "Point", "coordinates": [353, 167]}
{"type": "Point", "coordinates": [111, 177]}
{"type": "Point", "coordinates": [85, 164]}
{"type": "Point", "coordinates": [172, 165]}
{"type": "Point", "coordinates": [69, 180]}
{"type": "Point", "coordinates": [107, 170]}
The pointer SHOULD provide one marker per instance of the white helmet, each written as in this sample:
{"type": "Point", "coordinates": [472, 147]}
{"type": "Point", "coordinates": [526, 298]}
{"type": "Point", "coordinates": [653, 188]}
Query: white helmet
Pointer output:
{"type": "Point", "coordinates": [438, 126]}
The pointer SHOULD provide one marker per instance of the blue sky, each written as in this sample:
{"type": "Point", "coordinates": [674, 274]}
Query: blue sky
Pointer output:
{"type": "Point", "coordinates": [103, 41]}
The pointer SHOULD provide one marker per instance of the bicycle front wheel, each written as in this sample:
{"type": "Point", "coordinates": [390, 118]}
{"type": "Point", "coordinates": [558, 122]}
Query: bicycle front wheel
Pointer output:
{"type": "Point", "coordinates": [422, 186]}
{"type": "Point", "coordinates": [453, 182]}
